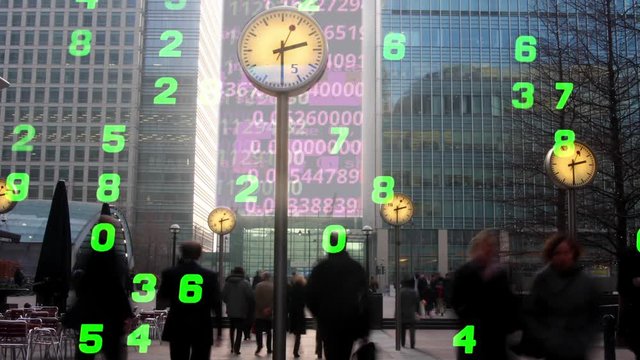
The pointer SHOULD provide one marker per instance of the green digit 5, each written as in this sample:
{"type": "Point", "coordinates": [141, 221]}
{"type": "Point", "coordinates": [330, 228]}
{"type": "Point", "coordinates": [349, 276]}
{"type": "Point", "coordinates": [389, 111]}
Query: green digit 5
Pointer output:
{"type": "Point", "coordinates": [21, 144]}
{"type": "Point", "coordinates": [109, 135]}
{"type": "Point", "coordinates": [190, 289]}
{"type": "Point", "coordinates": [77, 42]}
{"type": "Point", "coordinates": [90, 333]}
{"type": "Point", "coordinates": [527, 95]}
{"type": "Point", "coordinates": [378, 189]}
{"type": "Point", "coordinates": [326, 239]}
{"type": "Point", "coordinates": [393, 48]}
{"type": "Point", "coordinates": [564, 147]}
{"type": "Point", "coordinates": [149, 286]}
{"type": "Point", "coordinates": [110, 183]}
{"type": "Point", "coordinates": [22, 186]}
{"type": "Point", "coordinates": [102, 243]}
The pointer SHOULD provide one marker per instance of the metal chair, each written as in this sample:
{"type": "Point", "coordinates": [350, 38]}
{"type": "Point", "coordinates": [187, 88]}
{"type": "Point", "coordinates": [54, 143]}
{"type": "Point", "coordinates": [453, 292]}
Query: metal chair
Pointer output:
{"type": "Point", "coordinates": [68, 338]}
{"type": "Point", "coordinates": [14, 314]}
{"type": "Point", "coordinates": [52, 311]}
{"type": "Point", "coordinates": [149, 317]}
{"type": "Point", "coordinates": [14, 335]}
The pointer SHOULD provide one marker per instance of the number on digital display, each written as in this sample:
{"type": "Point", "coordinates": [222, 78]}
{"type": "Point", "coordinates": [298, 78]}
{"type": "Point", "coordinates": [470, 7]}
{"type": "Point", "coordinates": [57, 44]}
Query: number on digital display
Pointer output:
{"type": "Point", "coordinates": [91, 4]}
{"type": "Point", "coordinates": [394, 48]}
{"type": "Point", "coordinates": [190, 289]}
{"type": "Point", "coordinates": [17, 182]}
{"type": "Point", "coordinates": [567, 89]}
{"type": "Point", "coordinates": [245, 195]}
{"type": "Point", "coordinates": [527, 95]}
{"type": "Point", "coordinates": [326, 239]}
{"type": "Point", "coordinates": [526, 48]}
{"type": "Point", "coordinates": [342, 133]}
{"type": "Point", "coordinates": [140, 338]}
{"type": "Point", "coordinates": [109, 135]}
{"type": "Point", "coordinates": [148, 282]}
{"type": "Point", "coordinates": [109, 238]}
{"type": "Point", "coordinates": [175, 4]}
{"type": "Point", "coordinates": [638, 240]}
{"type": "Point", "coordinates": [108, 183]}
{"type": "Point", "coordinates": [170, 49]}
{"type": "Point", "coordinates": [378, 189]}
{"type": "Point", "coordinates": [80, 43]}
{"type": "Point", "coordinates": [309, 5]}
{"type": "Point", "coordinates": [564, 145]}
{"type": "Point", "coordinates": [90, 339]}
{"type": "Point", "coordinates": [21, 144]}
{"type": "Point", "coordinates": [465, 339]}
{"type": "Point", "coordinates": [164, 97]}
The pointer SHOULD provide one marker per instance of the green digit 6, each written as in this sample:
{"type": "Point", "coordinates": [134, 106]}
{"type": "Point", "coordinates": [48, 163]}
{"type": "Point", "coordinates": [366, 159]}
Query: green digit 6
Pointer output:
{"type": "Point", "coordinates": [564, 147]}
{"type": "Point", "coordinates": [387, 189]}
{"type": "Point", "coordinates": [149, 287]}
{"type": "Point", "coordinates": [393, 48]}
{"type": "Point", "coordinates": [76, 42]}
{"type": "Point", "coordinates": [526, 44]}
{"type": "Point", "coordinates": [527, 95]}
{"type": "Point", "coordinates": [194, 288]}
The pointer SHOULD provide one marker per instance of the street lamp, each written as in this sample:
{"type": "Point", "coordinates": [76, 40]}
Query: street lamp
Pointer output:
{"type": "Point", "coordinates": [175, 229]}
{"type": "Point", "coordinates": [367, 230]}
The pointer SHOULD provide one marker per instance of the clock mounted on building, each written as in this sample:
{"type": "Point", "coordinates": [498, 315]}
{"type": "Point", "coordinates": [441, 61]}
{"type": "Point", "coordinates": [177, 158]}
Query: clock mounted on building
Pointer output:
{"type": "Point", "coordinates": [398, 211]}
{"type": "Point", "coordinates": [222, 220]}
{"type": "Point", "coordinates": [283, 50]}
{"type": "Point", "coordinates": [6, 204]}
{"type": "Point", "coordinates": [572, 172]}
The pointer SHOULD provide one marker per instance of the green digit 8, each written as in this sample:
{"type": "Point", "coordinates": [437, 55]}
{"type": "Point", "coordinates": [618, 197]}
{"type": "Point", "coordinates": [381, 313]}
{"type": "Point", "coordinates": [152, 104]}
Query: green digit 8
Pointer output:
{"type": "Point", "coordinates": [190, 284]}
{"type": "Point", "coordinates": [22, 186]}
{"type": "Point", "coordinates": [76, 42]}
{"type": "Point", "coordinates": [245, 195]}
{"type": "Point", "coordinates": [387, 189]}
{"type": "Point", "coordinates": [149, 287]}
{"type": "Point", "coordinates": [109, 135]}
{"type": "Point", "coordinates": [527, 95]}
{"type": "Point", "coordinates": [526, 48]}
{"type": "Point", "coordinates": [172, 5]}
{"type": "Point", "coordinates": [170, 49]}
{"type": "Point", "coordinates": [104, 243]}
{"type": "Point", "coordinates": [394, 48]}
{"type": "Point", "coordinates": [326, 239]}
{"type": "Point", "coordinates": [90, 332]}
{"type": "Point", "coordinates": [21, 144]}
{"type": "Point", "coordinates": [111, 183]}
{"type": "Point", "coordinates": [164, 97]}
{"type": "Point", "coordinates": [91, 4]}
{"type": "Point", "coordinates": [564, 145]}
{"type": "Point", "coordinates": [465, 339]}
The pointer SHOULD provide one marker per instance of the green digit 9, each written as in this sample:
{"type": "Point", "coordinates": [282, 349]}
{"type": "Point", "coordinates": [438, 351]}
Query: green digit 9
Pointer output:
{"type": "Point", "coordinates": [21, 144]}
{"type": "Point", "coordinates": [190, 284]}
{"type": "Point", "coordinates": [103, 243]}
{"type": "Point", "coordinates": [564, 147]}
{"type": "Point", "coordinates": [110, 183]}
{"type": "Point", "coordinates": [394, 48]}
{"type": "Point", "coordinates": [77, 42]}
{"type": "Point", "coordinates": [326, 239]}
{"type": "Point", "coordinates": [149, 287]}
{"type": "Point", "coordinates": [387, 189]}
{"type": "Point", "coordinates": [527, 95]}
{"type": "Point", "coordinates": [22, 186]}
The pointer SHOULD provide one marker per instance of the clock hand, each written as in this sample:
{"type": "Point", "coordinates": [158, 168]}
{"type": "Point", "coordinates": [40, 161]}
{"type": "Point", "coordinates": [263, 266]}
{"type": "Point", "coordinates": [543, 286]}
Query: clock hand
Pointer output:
{"type": "Point", "coordinates": [576, 163]}
{"type": "Point", "coordinates": [282, 61]}
{"type": "Point", "coordinates": [573, 171]}
{"type": "Point", "coordinates": [290, 47]}
{"type": "Point", "coordinates": [291, 29]}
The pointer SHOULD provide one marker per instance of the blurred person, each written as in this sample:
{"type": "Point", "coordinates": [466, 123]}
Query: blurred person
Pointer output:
{"type": "Point", "coordinates": [438, 292]}
{"type": "Point", "coordinates": [408, 311]}
{"type": "Point", "coordinates": [482, 298]}
{"type": "Point", "coordinates": [561, 313]}
{"type": "Point", "coordinates": [189, 326]}
{"type": "Point", "coordinates": [373, 284]}
{"type": "Point", "coordinates": [18, 277]}
{"type": "Point", "coordinates": [250, 320]}
{"type": "Point", "coordinates": [264, 311]}
{"type": "Point", "coordinates": [337, 297]}
{"type": "Point", "coordinates": [629, 289]}
{"type": "Point", "coordinates": [295, 307]}
{"type": "Point", "coordinates": [256, 279]}
{"type": "Point", "coordinates": [238, 296]}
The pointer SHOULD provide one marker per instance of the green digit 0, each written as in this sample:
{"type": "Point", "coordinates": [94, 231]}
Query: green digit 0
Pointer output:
{"type": "Point", "coordinates": [149, 287]}
{"type": "Point", "coordinates": [638, 240]}
{"type": "Point", "coordinates": [172, 5]}
{"type": "Point", "coordinates": [387, 189]}
{"type": "Point", "coordinates": [465, 339]}
{"type": "Point", "coordinates": [526, 48]}
{"type": "Point", "coordinates": [110, 183]}
{"type": "Point", "coordinates": [102, 243]}
{"type": "Point", "coordinates": [22, 187]}
{"type": "Point", "coordinates": [342, 133]}
{"type": "Point", "coordinates": [527, 95]}
{"type": "Point", "coordinates": [21, 144]}
{"type": "Point", "coordinates": [394, 48]}
{"type": "Point", "coordinates": [564, 145]}
{"type": "Point", "coordinates": [567, 89]}
{"type": "Point", "coordinates": [91, 4]}
{"type": "Point", "coordinates": [194, 288]}
{"type": "Point", "coordinates": [326, 239]}
{"type": "Point", "coordinates": [77, 42]}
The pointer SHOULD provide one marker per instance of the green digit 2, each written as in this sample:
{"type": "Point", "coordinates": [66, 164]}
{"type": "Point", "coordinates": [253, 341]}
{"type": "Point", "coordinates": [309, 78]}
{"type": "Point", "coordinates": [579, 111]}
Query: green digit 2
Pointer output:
{"type": "Point", "coordinates": [387, 189]}
{"type": "Point", "coordinates": [342, 133]}
{"type": "Point", "coordinates": [110, 183]}
{"type": "Point", "coordinates": [149, 287]}
{"type": "Point", "coordinates": [465, 339]}
{"type": "Point", "coordinates": [393, 48]}
{"type": "Point", "coordinates": [564, 147]}
{"type": "Point", "coordinates": [190, 293]}
{"type": "Point", "coordinates": [104, 243]}
{"type": "Point", "coordinates": [22, 187]}
{"type": "Point", "coordinates": [326, 239]}
{"type": "Point", "coordinates": [76, 42]}
{"type": "Point", "coordinates": [164, 97]}
{"type": "Point", "coordinates": [21, 144]}
{"type": "Point", "coordinates": [245, 195]}
{"type": "Point", "coordinates": [527, 95]}
{"type": "Point", "coordinates": [567, 89]}
{"type": "Point", "coordinates": [170, 49]}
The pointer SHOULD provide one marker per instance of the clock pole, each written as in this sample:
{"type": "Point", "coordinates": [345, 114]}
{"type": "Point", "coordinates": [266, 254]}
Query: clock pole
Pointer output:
{"type": "Point", "coordinates": [398, 324]}
{"type": "Point", "coordinates": [571, 200]}
{"type": "Point", "coordinates": [220, 259]}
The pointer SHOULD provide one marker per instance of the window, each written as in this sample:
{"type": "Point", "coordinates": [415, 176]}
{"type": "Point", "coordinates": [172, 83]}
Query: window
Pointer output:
{"type": "Point", "coordinates": [84, 76]}
{"type": "Point", "coordinates": [114, 38]}
{"type": "Point", "coordinates": [63, 173]}
{"type": "Point", "coordinates": [78, 154]}
{"type": "Point", "coordinates": [73, 19]}
{"type": "Point", "coordinates": [130, 20]}
{"type": "Point", "coordinates": [128, 38]}
{"type": "Point", "coordinates": [87, 19]}
{"type": "Point", "coordinates": [31, 19]}
{"type": "Point", "coordinates": [102, 19]}
{"type": "Point", "coordinates": [115, 19]}
{"type": "Point", "coordinates": [54, 94]}
{"type": "Point", "coordinates": [128, 57]}
{"type": "Point", "coordinates": [97, 95]}
{"type": "Point", "coordinates": [55, 76]}
{"type": "Point", "coordinates": [98, 77]}
{"type": "Point", "coordinates": [50, 153]}
{"type": "Point", "coordinates": [49, 173]}
{"type": "Point", "coordinates": [42, 57]}
{"type": "Point", "coordinates": [100, 37]}
{"type": "Point", "coordinates": [29, 38]}
{"type": "Point", "coordinates": [68, 95]}
{"type": "Point", "coordinates": [44, 18]}
{"type": "Point", "coordinates": [78, 174]}
{"type": "Point", "coordinates": [77, 193]}
{"type": "Point", "coordinates": [94, 154]}
{"type": "Point", "coordinates": [58, 19]}
{"type": "Point", "coordinates": [99, 57]}
{"type": "Point", "coordinates": [58, 37]}
{"type": "Point", "coordinates": [43, 38]}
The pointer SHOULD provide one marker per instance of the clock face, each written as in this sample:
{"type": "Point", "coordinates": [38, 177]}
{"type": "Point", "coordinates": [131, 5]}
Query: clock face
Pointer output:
{"type": "Point", "coordinates": [573, 171]}
{"type": "Point", "coordinates": [222, 220]}
{"type": "Point", "coordinates": [6, 205]}
{"type": "Point", "coordinates": [398, 211]}
{"type": "Point", "coordinates": [283, 51]}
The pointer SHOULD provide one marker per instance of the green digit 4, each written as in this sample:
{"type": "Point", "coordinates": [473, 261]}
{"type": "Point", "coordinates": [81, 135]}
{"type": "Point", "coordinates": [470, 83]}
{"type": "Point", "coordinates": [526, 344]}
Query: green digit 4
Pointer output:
{"type": "Point", "coordinates": [342, 133]}
{"type": "Point", "coordinates": [21, 144]}
{"type": "Point", "coordinates": [393, 48]}
{"type": "Point", "coordinates": [190, 289]}
{"type": "Point", "coordinates": [564, 145]}
{"type": "Point", "coordinates": [17, 186]}
{"type": "Point", "coordinates": [140, 338]}
{"type": "Point", "coordinates": [90, 333]}
{"type": "Point", "coordinates": [378, 189]}
{"type": "Point", "coordinates": [326, 239]}
{"type": "Point", "coordinates": [80, 38]}
{"type": "Point", "coordinates": [149, 286]}
{"type": "Point", "coordinates": [102, 243]}
{"type": "Point", "coordinates": [465, 339]}
{"type": "Point", "coordinates": [567, 89]}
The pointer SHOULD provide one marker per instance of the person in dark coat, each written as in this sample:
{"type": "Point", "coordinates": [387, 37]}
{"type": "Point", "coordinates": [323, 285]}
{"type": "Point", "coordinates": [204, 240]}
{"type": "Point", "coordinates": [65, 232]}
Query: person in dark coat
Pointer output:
{"type": "Point", "coordinates": [629, 289]}
{"type": "Point", "coordinates": [101, 298]}
{"type": "Point", "coordinates": [256, 279]}
{"type": "Point", "coordinates": [295, 305]}
{"type": "Point", "coordinates": [562, 315]}
{"type": "Point", "coordinates": [189, 326]}
{"type": "Point", "coordinates": [264, 311]}
{"type": "Point", "coordinates": [238, 296]}
{"type": "Point", "coordinates": [482, 298]}
{"type": "Point", "coordinates": [408, 310]}
{"type": "Point", "coordinates": [336, 296]}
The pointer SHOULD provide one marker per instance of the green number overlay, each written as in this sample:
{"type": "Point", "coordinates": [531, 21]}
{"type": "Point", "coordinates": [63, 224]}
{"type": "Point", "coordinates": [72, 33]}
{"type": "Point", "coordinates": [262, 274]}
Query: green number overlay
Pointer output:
{"type": "Point", "coordinates": [465, 339]}
{"type": "Point", "coordinates": [149, 286]}
{"type": "Point", "coordinates": [109, 135]}
{"type": "Point", "coordinates": [108, 183]}
{"type": "Point", "coordinates": [173, 5]}
{"type": "Point", "coordinates": [21, 144]}
{"type": "Point", "coordinates": [22, 187]}
{"type": "Point", "coordinates": [526, 48]}
{"type": "Point", "coordinates": [567, 89]}
{"type": "Point", "coordinates": [170, 49]}
{"type": "Point", "coordinates": [527, 95]}
{"type": "Point", "coordinates": [140, 338]}
{"type": "Point", "coordinates": [109, 239]}
{"type": "Point", "coordinates": [190, 289]}
{"type": "Point", "coordinates": [245, 195]}
{"type": "Point", "coordinates": [638, 240]}
{"type": "Point", "coordinates": [164, 97]}
{"type": "Point", "coordinates": [564, 145]}
{"type": "Point", "coordinates": [308, 5]}
{"type": "Point", "coordinates": [90, 333]}
{"type": "Point", "coordinates": [80, 38]}
{"type": "Point", "coordinates": [394, 48]}
{"type": "Point", "coordinates": [342, 133]}
{"type": "Point", "coordinates": [378, 189]}
{"type": "Point", "coordinates": [326, 239]}
{"type": "Point", "coordinates": [91, 4]}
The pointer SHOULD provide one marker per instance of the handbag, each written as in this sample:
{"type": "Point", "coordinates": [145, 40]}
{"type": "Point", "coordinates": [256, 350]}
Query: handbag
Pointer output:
{"type": "Point", "coordinates": [365, 352]}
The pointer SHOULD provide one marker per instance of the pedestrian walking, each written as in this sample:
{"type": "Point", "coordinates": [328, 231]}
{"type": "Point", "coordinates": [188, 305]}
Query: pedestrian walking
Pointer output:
{"type": "Point", "coordinates": [481, 297]}
{"type": "Point", "coordinates": [629, 289]}
{"type": "Point", "coordinates": [336, 296]}
{"type": "Point", "coordinates": [264, 311]}
{"type": "Point", "coordinates": [238, 297]}
{"type": "Point", "coordinates": [189, 325]}
{"type": "Point", "coordinates": [408, 311]}
{"type": "Point", "coordinates": [295, 306]}
{"type": "Point", "coordinates": [256, 279]}
{"type": "Point", "coordinates": [438, 292]}
{"type": "Point", "coordinates": [373, 285]}
{"type": "Point", "coordinates": [249, 321]}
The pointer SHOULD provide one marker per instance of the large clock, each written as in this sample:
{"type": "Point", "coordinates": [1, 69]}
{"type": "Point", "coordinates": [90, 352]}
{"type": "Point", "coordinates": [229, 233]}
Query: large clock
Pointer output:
{"type": "Point", "coordinates": [398, 211]}
{"type": "Point", "coordinates": [222, 220]}
{"type": "Point", "coordinates": [6, 204]}
{"type": "Point", "coordinates": [574, 171]}
{"type": "Point", "coordinates": [283, 50]}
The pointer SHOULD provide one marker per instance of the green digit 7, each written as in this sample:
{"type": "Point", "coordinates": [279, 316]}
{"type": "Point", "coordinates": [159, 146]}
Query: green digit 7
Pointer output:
{"type": "Point", "coordinates": [190, 284]}
{"type": "Point", "coordinates": [90, 332]}
{"type": "Point", "coordinates": [465, 338]}
{"type": "Point", "coordinates": [527, 95]}
{"type": "Point", "coordinates": [22, 187]}
{"type": "Point", "coordinates": [567, 89]}
{"type": "Point", "coordinates": [342, 133]}
{"type": "Point", "coordinates": [91, 4]}
{"type": "Point", "coordinates": [108, 135]}
{"type": "Point", "coordinates": [149, 287]}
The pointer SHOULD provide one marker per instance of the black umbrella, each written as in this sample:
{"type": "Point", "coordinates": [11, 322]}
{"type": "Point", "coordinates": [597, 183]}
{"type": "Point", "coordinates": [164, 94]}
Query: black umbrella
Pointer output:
{"type": "Point", "coordinates": [51, 283]}
{"type": "Point", "coordinates": [106, 209]}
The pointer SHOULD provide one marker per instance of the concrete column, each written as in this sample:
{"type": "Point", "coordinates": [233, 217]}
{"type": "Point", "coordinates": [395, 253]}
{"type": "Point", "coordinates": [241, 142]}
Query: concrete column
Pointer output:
{"type": "Point", "coordinates": [443, 252]}
{"type": "Point", "coordinates": [505, 246]}
{"type": "Point", "coordinates": [382, 254]}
